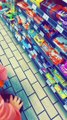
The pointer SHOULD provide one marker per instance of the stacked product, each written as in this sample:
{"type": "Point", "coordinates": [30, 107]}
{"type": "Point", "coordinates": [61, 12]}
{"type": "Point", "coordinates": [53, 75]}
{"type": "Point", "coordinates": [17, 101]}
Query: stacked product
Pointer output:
{"type": "Point", "coordinates": [56, 12]}
{"type": "Point", "coordinates": [43, 43]}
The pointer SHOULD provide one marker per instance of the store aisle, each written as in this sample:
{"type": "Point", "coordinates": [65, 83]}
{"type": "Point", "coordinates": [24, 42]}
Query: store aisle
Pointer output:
{"type": "Point", "coordinates": [26, 81]}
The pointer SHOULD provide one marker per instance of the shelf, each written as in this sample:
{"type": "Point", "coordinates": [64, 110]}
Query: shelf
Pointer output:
{"type": "Point", "coordinates": [51, 41]}
{"type": "Point", "coordinates": [42, 32]}
{"type": "Point", "coordinates": [30, 19]}
{"type": "Point", "coordinates": [54, 24]}
{"type": "Point", "coordinates": [39, 55]}
{"type": "Point", "coordinates": [63, 101]}
{"type": "Point", "coordinates": [42, 52]}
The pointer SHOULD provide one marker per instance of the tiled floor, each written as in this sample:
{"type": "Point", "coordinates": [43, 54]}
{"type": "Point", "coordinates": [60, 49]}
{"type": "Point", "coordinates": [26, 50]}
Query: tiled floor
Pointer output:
{"type": "Point", "coordinates": [26, 81]}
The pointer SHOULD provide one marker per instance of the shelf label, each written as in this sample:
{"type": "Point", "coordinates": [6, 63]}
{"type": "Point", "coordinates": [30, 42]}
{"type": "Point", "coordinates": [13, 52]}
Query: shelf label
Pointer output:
{"type": "Point", "coordinates": [30, 56]}
{"type": "Point", "coordinates": [35, 52]}
{"type": "Point", "coordinates": [44, 64]}
{"type": "Point", "coordinates": [45, 16]}
{"type": "Point", "coordinates": [41, 33]}
{"type": "Point", "coordinates": [34, 7]}
{"type": "Point", "coordinates": [6, 23]}
{"type": "Point", "coordinates": [24, 34]}
{"type": "Point", "coordinates": [31, 52]}
{"type": "Point", "coordinates": [16, 28]}
{"type": "Point", "coordinates": [28, 19]}
{"type": "Point", "coordinates": [40, 71]}
{"type": "Point", "coordinates": [20, 10]}
{"type": "Point", "coordinates": [59, 28]}
{"type": "Point", "coordinates": [25, 0]}
{"type": "Point", "coordinates": [23, 37]}
{"type": "Point", "coordinates": [29, 45]}
{"type": "Point", "coordinates": [1, 15]}
{"type": "Point", "coordinates": [18, 39]}
{"type": "Point", "coordinates": [48, 82]}
{"type": "Point", "coordinates": [35, 27]}
{"type": "Point", "coordinates": [23, 47]}
{"type": "Point", "coordinates": [53, 89]}
{"type": "Point", "coordinates": [10, 28]}
{"type": "Point", "coordinates": [65, 106]}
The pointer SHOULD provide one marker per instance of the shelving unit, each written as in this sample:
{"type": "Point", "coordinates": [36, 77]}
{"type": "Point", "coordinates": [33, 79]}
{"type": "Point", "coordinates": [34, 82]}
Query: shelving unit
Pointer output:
{"type": "Point", "coordinates": [48, 19]}
{"type": "Point", "coordinates": [36, 52]}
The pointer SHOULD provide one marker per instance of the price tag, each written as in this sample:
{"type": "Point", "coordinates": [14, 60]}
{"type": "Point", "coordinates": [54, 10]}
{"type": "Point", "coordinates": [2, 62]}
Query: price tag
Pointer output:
{"type": "Point", "coordinates": [29, 45]}
{"type": "Point", "coordinates": [6, 23]}
{"type": "Point", "coordinates": [23, 37]}
{"type": "Point", "coordinates": [44, 64]}
{"type": "Point", "coordinates": [25, 0]}
{"type": "Point", "coordinates": [35, 52]}
{"type": "Point", "coordinates": [35, 27]}
{"type": "Point", "coordinates": [53, 89]}
{"type": "Point", "coordinates": [45, 16]}
{"type": "Point", "coordinates": [48, 82]}
{"type": "Point", "coordinates": [18, 39]}
{"type": "Point", "coordinates": [15, 35]}
{"type": "Point", "coordinates": [23, 47]}
{"type": "Point", "coordinates": [1, 15]}
{"type": "Point", "coordinates": [59, 28]}
{"type": "Point", "coordinates": [41, 33]}
{"type": "Point", "coordinates": [24, 34]}
{"type": "Point", "coordinates": [40, 71]}
{"type": "Point", "coordinates": [31, 52]}
{"type": "Point", "coordinates": [28, 19]}
{"type": "Point", "coordinates": [16, 28]}
{"type": "Point", "coordinates": [20, 10]}
{"type": "Point", "coordinates": [30, 56]}
{"type": "Point", "coordinates": [10, 28]}
{"type": "Point", "coordinates": [34, 6]}
{"type": "Point", "coordinates": [65, 106]}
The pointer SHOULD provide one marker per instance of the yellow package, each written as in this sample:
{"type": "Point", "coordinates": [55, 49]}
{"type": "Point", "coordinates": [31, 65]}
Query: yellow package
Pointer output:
{"type": "Point", "coordinates": [37, 2]}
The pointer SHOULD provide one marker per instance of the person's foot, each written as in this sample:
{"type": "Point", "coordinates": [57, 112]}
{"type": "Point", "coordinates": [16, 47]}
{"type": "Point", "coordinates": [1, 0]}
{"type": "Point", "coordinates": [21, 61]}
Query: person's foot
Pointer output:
{"type": "Point", "coordinates": [16, 102]}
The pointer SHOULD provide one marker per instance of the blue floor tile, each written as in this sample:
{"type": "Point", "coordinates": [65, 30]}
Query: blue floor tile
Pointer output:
{"type": "Point", "coordinates": [24, 98]}
{"type": "Point", "coordinates": [16, 84]}
{"type": "Point", "coordinates": [30, 114]}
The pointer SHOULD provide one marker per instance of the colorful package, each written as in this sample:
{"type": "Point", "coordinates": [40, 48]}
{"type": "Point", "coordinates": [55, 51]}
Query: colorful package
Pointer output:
{"type": "Point", "coordinates": [23, 5]}
{"type": "Point", "coordinates": [61, 42]}
{"type": "Point", "coordinates": [39, 40]}
{"type": "Point", "coordinates": [56, 12]}
{"type": "Point", "coordinates": [63, 68]}
{"type": "Point", "coordinates": [50, 78]}
{"type": "Point", "coordinates": [32, 33]}
{"type": "Point", "coordinates": [58, 77]}
{"type": "Point", "coordinates": [49, 31]}
{"type": "Point", "coordinates": [60, 91]}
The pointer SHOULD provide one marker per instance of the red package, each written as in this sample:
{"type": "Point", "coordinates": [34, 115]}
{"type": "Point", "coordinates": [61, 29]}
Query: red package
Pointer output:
{"type": "Point", "coordinates": [0, 7]}
{"type": "Point", "coordinates": [30, 12]}
{"type": "Point", "coordinates": [23, 5]}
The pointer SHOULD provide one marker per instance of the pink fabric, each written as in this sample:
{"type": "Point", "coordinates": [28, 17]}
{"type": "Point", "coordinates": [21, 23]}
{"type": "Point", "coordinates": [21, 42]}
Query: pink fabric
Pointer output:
{"type": "Point", "coordinates": [8, 112]}
{"type": "Point", "coordinates": [3, 73]}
